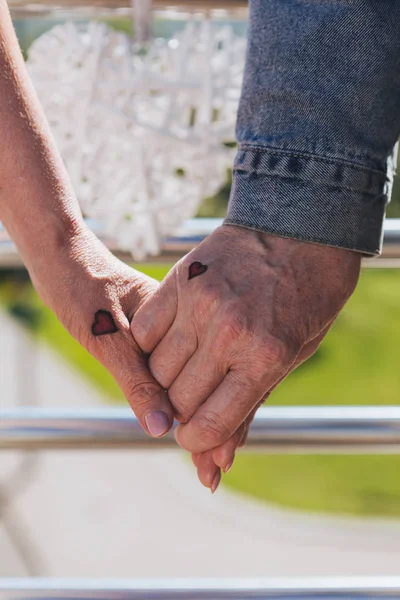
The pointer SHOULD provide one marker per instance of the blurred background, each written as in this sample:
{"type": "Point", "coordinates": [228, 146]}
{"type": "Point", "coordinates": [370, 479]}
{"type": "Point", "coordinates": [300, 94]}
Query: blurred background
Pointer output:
{"type": "Point", "coordinates": [144, 514]}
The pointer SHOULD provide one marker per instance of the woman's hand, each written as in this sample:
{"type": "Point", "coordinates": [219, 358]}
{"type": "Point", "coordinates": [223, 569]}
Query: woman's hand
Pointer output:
{"type": "Point", "coordinates": [95, 296]}
{"type": "Point", "coordinates": [92, 293]}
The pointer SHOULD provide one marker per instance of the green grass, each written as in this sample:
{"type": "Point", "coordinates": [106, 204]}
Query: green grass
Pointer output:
{"type": "Point", "coordinates": [358, 364]}
{"type": "Point", "coordinates": [354, 485]}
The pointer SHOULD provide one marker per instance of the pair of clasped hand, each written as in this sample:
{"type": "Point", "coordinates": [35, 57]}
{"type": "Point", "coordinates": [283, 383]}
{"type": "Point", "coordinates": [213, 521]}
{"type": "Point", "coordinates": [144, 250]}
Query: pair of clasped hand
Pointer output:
{"type": "Point", "coordinates": [204, 347]}
{"type": "Point", "coordinates": [208, 345]}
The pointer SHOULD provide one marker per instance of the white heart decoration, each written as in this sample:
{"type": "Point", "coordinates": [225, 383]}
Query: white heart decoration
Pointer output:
{"type": "Point", "coordinates": [141, 133]}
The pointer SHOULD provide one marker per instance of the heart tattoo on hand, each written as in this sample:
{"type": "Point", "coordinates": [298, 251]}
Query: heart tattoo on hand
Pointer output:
{"type": "Point", "coordinates": [197, 268]}
{"type": "Point", "coordinates": [103, 323]}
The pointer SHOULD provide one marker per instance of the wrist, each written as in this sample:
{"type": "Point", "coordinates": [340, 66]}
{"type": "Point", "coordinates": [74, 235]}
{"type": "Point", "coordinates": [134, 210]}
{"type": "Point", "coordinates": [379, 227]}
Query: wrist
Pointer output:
{"type": "Point", "coordinates": [46, 248]}
{"type": "Point", "coordinates": [41, 241]}
{"type": "Point", "coordinates": [287, 245]}
{"type": "Point", "coordinates": [81, 270]}
{"type": "Point", "coordinates": [335, 270]}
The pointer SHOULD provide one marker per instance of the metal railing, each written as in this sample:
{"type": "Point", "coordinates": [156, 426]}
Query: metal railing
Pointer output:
{"type": "Point", "coordinates": [370, 588]}
{"type": "Point", "coordinates": [313, 429]}
{"type": "Point", "coordinates": [276, 430]}
{"type": "Point", "coordinates": [192, 232]}
{"type": "Point", "coordinates": [32, 7]}
{"type": "Point", "coordinates": [300, 430]}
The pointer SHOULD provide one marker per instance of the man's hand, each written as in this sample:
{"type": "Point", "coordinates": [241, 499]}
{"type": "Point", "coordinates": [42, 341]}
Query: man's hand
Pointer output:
{"type": "Point", "coordinates": [230, 321]}
{"type": "Point", "coordinates": [95, 296]}
{"type": "Point", "coordinates": [209, 463]}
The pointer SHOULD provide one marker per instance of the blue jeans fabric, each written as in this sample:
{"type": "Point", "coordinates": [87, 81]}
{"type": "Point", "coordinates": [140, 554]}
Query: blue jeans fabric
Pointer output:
{"type": "Point", "coordinates": [318, 119]}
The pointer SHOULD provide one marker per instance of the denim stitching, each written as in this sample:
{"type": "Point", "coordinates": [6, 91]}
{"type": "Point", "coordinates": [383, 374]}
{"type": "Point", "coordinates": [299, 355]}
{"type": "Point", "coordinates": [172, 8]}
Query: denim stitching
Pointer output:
{"type": "Point", "coordinates": [310, 156]}
{"type": "Point", "coordinates": [308, 209]}
{"type": "Point", "coordinates": [304, 180]}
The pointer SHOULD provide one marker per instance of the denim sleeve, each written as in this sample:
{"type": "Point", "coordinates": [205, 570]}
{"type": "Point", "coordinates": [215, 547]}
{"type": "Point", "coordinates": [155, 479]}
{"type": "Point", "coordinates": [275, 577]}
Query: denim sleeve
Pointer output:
{"type": "Point", "coordinates": [318, 119]}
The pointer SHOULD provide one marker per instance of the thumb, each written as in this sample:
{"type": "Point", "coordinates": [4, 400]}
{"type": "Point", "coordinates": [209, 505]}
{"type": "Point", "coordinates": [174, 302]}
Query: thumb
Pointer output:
{"type": "Point", "coordinates": [148, 400]}
{"type": "Point", "coordinates": [156, 315]}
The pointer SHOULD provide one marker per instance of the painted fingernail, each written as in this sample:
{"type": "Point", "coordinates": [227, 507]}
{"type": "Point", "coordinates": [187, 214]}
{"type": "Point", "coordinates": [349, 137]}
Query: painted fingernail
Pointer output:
{"type": "Point", "coordinates": [216, 482]}
{"type": "Point", "coordinates": [228, 467]}
{"type": "Point", "coordinates": [157, 423]}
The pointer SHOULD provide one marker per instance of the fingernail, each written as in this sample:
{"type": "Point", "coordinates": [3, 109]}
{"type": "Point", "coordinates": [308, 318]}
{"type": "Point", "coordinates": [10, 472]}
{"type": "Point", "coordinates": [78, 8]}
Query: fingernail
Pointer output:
{"type": "Point", "coordinates": [228, 467]}
{"type": "Point", "coordinates": [157, 423]}
{"type": "Point", "coordinates": [216, 482]}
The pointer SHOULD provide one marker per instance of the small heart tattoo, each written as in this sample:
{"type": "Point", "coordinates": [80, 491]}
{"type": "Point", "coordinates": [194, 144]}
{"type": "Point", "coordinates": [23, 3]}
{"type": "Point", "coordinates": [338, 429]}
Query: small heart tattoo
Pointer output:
{"type": "Point", "coordinates": [103, 323]}
{"type": "Point", "coordinates": [197, 268]}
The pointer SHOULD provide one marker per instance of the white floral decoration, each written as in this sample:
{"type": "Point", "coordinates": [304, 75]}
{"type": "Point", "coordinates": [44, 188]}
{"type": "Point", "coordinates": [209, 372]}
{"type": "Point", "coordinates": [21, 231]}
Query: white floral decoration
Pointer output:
{"type": "Point", "coordinates": [142, 131]}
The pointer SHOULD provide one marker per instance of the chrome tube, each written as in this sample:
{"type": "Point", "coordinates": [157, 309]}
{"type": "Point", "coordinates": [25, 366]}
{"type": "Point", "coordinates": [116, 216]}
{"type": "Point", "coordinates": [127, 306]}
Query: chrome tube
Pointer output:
{"type": "Point", "coordinates": [192, 232]}
{"type": "Point", "coordinates": [36, 8]}
{"type": "Point", "coordinates": [279, 430]}
{"type": "Point", "coordinates": [369, 588]}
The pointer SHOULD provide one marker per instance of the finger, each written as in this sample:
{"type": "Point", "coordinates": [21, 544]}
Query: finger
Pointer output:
{"type": "Point", "coordinates": [196, 458]}
{"type": "Point", "coordinates": [232, 402]}
{"type": "Point", "coordinates": [224, 455]}
{"type": "Point", "coordinates": [156, 315]}
{"type": "Point", "coordinates": [197, 380]}
{"type": "Point", "coordinates": [308, 350]}
{"type": "Point", "coordinates": [249, 420]}
{"type": "Point", "coordinates": [208, 473]}
{"type": "Point", "coordinates": [220, 416]}
{"type": "Point", "coordinates": [303, 355]}
{"type": "Point", "coordinates": [245, 435]}
{"type": "Point", "coordinates": [148, 399]}
{"type": "Point", "coordinates": [172, 353]}
{"type": "Point", "coordinates": [126, 363]}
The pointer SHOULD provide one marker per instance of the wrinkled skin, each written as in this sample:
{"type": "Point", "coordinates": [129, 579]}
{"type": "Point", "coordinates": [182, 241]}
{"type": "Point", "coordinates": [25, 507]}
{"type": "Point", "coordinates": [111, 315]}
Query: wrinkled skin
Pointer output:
{"type": "Point", "coordinates": [73, 272]}
{"type": "Point", "coordinates": [221, 341]}
{"type": "Point", "coordinates": [83, 277]}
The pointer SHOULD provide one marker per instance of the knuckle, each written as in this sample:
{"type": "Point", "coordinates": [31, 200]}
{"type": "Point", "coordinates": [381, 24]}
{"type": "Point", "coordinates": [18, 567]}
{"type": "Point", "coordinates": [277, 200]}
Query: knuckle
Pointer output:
{"type": "Point", "coordinates": [180, 405]}
{"type": "Point", "coordinates": [209, 298]}
{"type": "Point", "coordinates": [233, 325]}
{"type": "Point", "coordinates": [279, 352]}
{"type": "Point", "coordinates": [182, 342]}
{"type": "Point", "coordinates": [141, 393]}
{"type": "Point", "coordinates": [159, 369]}
{"type": "Point", "coordinates": [186, 396]}
{"type": "Point", "coordinates": [212, 430]}
{"type": "Point", "coordinates": [165, 367]}
{"type": "Point", "coordinates": [140, 328]}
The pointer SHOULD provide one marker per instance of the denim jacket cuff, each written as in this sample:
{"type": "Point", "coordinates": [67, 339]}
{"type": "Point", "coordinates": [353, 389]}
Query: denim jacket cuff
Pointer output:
{"type": "Point", "coordinates": [312, 198]}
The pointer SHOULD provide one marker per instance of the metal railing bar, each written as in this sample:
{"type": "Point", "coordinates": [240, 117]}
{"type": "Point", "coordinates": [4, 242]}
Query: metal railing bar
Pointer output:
{"type": "Point", "coordinates": [301, 430]}
{"type": "Point", "coordinates": [369, 588]}
{"type": "Point", "coordinates": [36, 6]}
{"type": "Point", "coordinates": [192, 232]}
